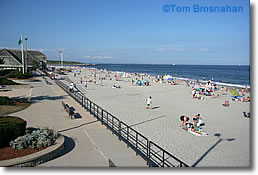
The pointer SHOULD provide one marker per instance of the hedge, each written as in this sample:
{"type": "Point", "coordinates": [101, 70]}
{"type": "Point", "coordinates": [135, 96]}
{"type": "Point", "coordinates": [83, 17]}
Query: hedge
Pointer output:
{"type": "Point", "coordinates": [11, 128]}
{"type": "Point", "coordinates": [6, 101]}
{"type": "Point", "coordinates": [19, 75]}
{"type": "Point", "coordinates": [4, 81]}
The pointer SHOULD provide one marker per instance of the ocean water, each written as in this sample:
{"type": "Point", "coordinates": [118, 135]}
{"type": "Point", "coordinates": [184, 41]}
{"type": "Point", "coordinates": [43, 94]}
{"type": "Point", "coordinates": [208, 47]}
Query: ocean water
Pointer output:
{"type": "Point", "coordinates": [232, 74]}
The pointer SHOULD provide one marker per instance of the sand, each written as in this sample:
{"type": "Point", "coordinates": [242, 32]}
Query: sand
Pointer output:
{"type": "Point", "coordinates": [228, 140]}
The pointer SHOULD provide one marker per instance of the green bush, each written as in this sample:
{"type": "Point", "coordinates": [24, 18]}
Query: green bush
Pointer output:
{"type": "Point", "coordinates": [6, 101]}
{"type": "Point", "coordinates": [4, 81]}
{"type": "Point", "coordinates": [19, 75]}
{"type": "Point", "coordinates": [10, 129]}
{"type": "Point", "coordinates": [38, 138]}
{"type": "Point", "coordinates": [5, 72]}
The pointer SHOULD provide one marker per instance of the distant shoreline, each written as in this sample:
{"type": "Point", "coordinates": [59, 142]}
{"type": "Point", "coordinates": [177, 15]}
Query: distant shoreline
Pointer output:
{"type": "Point", "coordinates": [67, 63]}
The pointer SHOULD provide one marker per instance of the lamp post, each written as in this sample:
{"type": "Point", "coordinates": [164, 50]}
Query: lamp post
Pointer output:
{"type": "Point", "coordinates": [26, 55]}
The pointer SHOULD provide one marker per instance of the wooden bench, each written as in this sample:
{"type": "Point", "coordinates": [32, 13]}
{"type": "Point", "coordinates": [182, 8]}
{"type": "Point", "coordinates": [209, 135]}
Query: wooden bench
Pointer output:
{"type": "Point", "coordinates": [68, 109]}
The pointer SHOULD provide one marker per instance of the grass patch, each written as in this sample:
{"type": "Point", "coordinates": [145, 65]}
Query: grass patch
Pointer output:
{"type": "Point", "coordinates": [4, 81]}
{"type": "Point", "coordinates": [6, 110]}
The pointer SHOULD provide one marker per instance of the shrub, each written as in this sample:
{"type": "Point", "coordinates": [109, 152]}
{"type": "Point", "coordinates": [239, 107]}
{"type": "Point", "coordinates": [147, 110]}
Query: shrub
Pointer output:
{"type": "Point", "coordinates": [4, 81]}
{"type": "Point", "coordinates": [19, 75]}
{"type": "Point", "coordinates": [6, 101]}
{"type": "Point", "coordinates": [5, 72]}
{"type": "Point", "coordinates": [11, 128]}
{"type": "Point", "coordinates": [39, 138]}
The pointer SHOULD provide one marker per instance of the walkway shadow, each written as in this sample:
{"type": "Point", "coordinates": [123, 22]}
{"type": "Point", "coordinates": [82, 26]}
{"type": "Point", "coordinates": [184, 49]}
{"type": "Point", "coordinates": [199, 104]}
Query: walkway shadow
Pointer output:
{"type": "Point", "coordinates": [69, 145]}
{"type": "Point", "coordinates": [21, 99]}
{"type": "Point", "coordinates": [45, 97]}
{"type": "Point", "coordinates": [147, 121]}
{"type": "Point", "coordinates": [212, 147]}
{"type": "Point", "coordinates": [75, 127]}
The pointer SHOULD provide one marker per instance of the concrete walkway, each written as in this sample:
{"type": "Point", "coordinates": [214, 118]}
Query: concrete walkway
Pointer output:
{"type": "Point", "coordinates": [87, 142]}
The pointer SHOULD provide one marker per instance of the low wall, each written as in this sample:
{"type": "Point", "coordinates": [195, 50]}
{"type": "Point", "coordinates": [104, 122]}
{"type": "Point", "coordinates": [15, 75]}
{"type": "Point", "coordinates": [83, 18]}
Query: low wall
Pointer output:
{"type": "Point", "coordinates": [38, 157]}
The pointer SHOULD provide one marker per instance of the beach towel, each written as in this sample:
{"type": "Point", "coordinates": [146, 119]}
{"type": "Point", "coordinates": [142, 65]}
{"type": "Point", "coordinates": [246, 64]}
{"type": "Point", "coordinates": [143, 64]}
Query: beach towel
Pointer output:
{"type": "Point", "coordinates": [201, 133]}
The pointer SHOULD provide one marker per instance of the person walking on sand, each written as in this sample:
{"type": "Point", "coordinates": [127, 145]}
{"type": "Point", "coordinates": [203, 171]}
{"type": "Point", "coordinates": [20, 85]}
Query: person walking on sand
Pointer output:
{"type": "Point", "coordinates": [81, 79]}
{"type": "Point", "coordinates": [85, 84]}
{"type": "Point", "coordinates": [149, 103]}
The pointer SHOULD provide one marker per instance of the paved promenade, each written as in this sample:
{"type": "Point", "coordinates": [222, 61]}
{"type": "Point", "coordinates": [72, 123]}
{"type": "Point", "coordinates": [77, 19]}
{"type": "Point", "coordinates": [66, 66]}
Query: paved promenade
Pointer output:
{"type": "Point", "coordinates": [87, 142]}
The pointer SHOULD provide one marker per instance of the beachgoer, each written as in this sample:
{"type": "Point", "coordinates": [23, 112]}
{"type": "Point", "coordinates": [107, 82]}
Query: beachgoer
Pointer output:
{"type": "Point", "coordinates": [242, 92]}
{"type": "Point", "coordinates": [81, 79]}
{"type": "Point", "coordinates": [198, 120]}
{"type": "Point", "coordinates": [246, 89]}
{"type": "Point", "coordinates": [149, 103]}
{"type": "Point", "coordinates": [71, 87]}
{"type": "Point", "coordinates": [226, 103]}
{"type": "Point", "coordinates": [85, 84]}
{"type": "Point", "coordinates": [246, 114]}
{"type": "Point", "coordinates": [193, 93]}
{"type": "Point", "coordinates": [185, 122]}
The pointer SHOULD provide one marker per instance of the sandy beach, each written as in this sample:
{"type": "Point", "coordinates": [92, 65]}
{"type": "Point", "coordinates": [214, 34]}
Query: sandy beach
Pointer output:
{"type": "Point", "coordinates": [228, 140]}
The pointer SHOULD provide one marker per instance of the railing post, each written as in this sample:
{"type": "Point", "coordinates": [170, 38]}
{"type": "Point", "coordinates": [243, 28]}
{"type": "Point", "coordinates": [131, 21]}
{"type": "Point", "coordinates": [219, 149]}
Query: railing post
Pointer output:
{"type": "Point", "coordinates": [112, 125]}
{"type": "Point", "coordinates": [163, 158]}
{"type": "Point", "coordinates": [107, 121]}
{"type": "Point", "coordinates": [136, 144]}
{"type": "Point", "coordinates": [90, 107]}
{"type": "Point", "coordinates": [148, 153]}
{"type": "Point", "coordinates": [119, 130]}
{"type": "Point", "coordinates": [127, 133]}
{"type": "Point", "coordinates": [102, 115]}
{"type": "Point", "coordinates": [98, 112]}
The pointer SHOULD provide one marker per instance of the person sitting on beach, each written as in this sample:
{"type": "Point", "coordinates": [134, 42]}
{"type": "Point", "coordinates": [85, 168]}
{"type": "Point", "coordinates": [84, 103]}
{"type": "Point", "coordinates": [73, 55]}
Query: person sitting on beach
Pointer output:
{"type": "Point", "coordinates": [246, 114]}
{"type": "Point", "coordinates": [193, 93]}
{"type": "Point", "coordinates": [116, 86]}
{"type": "Point", "coordinates": [149, 103]}
{"type": "Point", "coordinates": [226, 104]}
{"type": "Point", "coordinates": [197, 121]}
{"type": "Point", "coordinates": [185, 123]}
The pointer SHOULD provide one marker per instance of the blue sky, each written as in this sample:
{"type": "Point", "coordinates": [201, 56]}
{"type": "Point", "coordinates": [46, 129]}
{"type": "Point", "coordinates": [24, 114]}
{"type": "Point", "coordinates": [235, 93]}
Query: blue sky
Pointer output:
{"type": "Point", "coordinates": [135, 31]}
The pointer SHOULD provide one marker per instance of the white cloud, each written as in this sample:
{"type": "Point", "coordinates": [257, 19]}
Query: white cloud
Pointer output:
{"type": "Point", "coordinates": [98, 57]}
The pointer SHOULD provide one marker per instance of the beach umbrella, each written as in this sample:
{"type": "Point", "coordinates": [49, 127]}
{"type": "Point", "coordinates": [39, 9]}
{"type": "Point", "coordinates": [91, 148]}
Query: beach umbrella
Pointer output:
{"type": "Point", "coordinates": [139, 82]}
{"type": "Point", "coordinates": [203, 86]}
{"type": "Point", "coordinates": [167, 77]}
{"type": "Point", "coordinates": [196, 86]}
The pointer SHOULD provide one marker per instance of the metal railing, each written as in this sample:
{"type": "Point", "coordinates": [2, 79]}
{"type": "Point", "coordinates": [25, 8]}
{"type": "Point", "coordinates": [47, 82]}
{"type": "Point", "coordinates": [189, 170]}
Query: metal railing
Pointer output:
{"type": "Point", "coordinates": [151, 152]}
